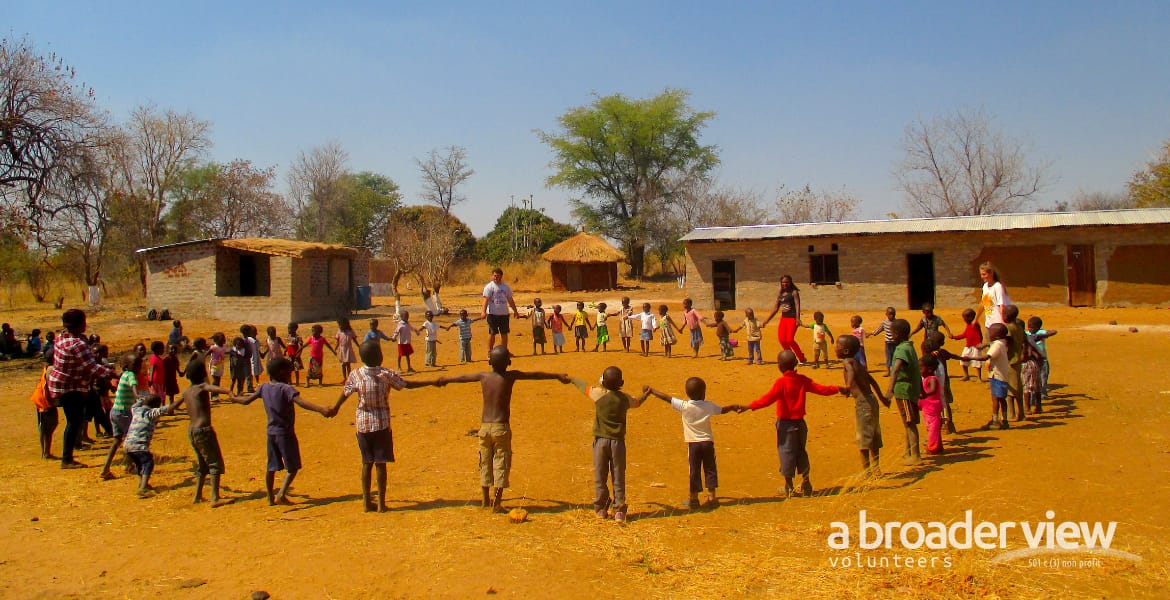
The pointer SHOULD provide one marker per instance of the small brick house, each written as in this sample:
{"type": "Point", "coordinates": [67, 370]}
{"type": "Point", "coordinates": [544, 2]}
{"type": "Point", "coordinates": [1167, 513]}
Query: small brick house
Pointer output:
{"type": "Point", "coordinates": [1112, 257]}
{"type": "Point", "coordinates": [255, 279]}
{"type": "Point", "coordinates": [583, 262]}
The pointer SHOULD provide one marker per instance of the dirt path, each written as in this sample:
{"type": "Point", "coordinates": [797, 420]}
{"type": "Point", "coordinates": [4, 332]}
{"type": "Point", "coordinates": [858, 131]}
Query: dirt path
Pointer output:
{"type": "Point", "coordinates": [1100, 453]}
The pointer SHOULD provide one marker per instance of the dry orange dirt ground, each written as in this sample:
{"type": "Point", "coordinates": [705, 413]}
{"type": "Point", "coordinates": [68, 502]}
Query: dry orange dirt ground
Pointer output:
{"type": "Point", "coordinates": [1100, 453]}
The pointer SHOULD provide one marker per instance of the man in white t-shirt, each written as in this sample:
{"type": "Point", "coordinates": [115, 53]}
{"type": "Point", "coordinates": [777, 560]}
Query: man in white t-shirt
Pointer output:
{"type": "Point", "coordinates": [696, 420]}
{"type": "Point", "coordinates": [497, 297]}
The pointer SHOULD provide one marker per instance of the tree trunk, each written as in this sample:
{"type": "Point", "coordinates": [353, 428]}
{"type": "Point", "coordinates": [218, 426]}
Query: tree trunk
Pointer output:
{"type": "Point", "coordinates": [394, 291]}
{"type": "Point", "coordinates": [636, 255]}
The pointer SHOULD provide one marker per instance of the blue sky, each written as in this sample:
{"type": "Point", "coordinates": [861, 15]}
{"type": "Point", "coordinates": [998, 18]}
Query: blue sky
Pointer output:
{"type": "Point", "coordinates": [816, 93]}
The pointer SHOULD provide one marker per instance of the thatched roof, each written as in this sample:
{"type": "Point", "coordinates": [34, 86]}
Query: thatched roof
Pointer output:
{"type": "Point", "coordinates": [269, 246]}
{"type": "Point", "coordinates": [583, 248]}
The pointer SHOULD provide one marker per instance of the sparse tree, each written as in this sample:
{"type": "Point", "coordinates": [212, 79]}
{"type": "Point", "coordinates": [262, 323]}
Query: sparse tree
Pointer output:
{"type": "Point", "coordinates": [958, 165]}
{"type": "Point", "coordinates": [46, 120]}
{"type": "Point", "coordinates": [807, 206]}
{"type": "Point", "coordinates": [316, 184]}
{"type": "Point", "coordinates": [1151, 186]}
{"type": "Point", "coordinates": [1099, 201]}
{"type": "Point", "coordinates": [368, 202]}
{"type": "Point", "coordinates": [441, 174]}
{"type": "Point", "coordinates": [698, 202]}
{"type": "Point", "coordinates": [400, 247]}
{"type": "Point", "coordinates": [520, 233]}
{"type": "Point", "coordinates": [227, 201]}
{"type": "Point", "coordinates": [620, 153]}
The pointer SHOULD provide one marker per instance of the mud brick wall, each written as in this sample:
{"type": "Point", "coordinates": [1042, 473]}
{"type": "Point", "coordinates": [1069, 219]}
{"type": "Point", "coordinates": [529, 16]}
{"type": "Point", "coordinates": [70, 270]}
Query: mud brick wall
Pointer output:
{"type": "Point", "coordinates": [1131, 264]}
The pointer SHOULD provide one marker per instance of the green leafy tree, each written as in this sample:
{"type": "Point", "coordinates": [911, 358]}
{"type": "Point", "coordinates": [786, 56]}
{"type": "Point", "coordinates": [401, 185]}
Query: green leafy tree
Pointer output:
{"type": "Point", "coordinates": [1151, 185]}
{"type": "Point", "coordinates": [230, 200]}
{"type": "Point", "coordinates": [520, 233]}
{"type": "Point", "coordinates": [367, 202]}
{"type": "Point", "coordinates": [620, 153]}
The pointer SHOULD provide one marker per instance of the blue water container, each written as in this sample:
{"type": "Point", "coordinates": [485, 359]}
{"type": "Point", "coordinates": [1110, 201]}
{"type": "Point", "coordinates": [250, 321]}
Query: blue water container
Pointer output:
{"type": "Point", "coordinates": [365, 297]}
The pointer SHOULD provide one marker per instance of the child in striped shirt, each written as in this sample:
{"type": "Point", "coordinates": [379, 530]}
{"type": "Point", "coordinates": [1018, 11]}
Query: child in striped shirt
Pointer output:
{"type": "Point", "coordinates": [464, 325]}
{"type": "Point", "coordinates": [124, 397]}
{"type": "Point", "coordinates": [891, 314]}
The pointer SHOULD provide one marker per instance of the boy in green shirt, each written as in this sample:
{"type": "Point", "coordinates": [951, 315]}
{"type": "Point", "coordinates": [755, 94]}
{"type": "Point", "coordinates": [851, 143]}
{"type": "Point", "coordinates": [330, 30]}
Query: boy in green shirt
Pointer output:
{"type": "Point", "coordinates": [906, 386]}
{"type": "Point", "coordinates": [609, 440]}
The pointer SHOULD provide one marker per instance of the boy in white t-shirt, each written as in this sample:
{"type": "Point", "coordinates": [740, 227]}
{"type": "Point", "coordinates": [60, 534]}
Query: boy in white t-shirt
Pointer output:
{"type": "Point", "coordinates": [432, 330]}
{"type": "Point", "coordinates": [696, 420]}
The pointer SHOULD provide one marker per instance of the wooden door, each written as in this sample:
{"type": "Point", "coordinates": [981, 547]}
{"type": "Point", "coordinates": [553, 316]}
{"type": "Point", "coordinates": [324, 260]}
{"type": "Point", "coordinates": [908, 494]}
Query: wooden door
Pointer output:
{"type": "Point", "coordinates": [573, 280]}
{"type": "Point", "coordinates": [1082, 281]}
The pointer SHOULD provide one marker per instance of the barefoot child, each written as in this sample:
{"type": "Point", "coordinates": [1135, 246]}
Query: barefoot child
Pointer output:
{"type": "Point", "coordinates": [788, 394]}
{"type": "Point", "coordinates": [860, 334]}
{"type": "Point", "coordinates": [280, 402]}
{"type": "Point", "coordinates": [158, 369]}
{"type": "Point", "coordinates": [602, 329]}
{"type": "Point", "coordinates": [346, 340]}
{"type": "Point", "coordinates": [822, 337]}
{"type": "Point", "coordinates": [402, 335]}
{"type": "Point", "coordinates": [866, 393]}
{"type": "Point", "coordinates": [666, 328]}
{"type": "Point", "coordinates": [317, 345]}
{"type": "Point", "coordinates": [374, 334]}
{"type": "Point", "coordinates": [125, 395]}
{"type": "Point", "coordinates": [293, 344]}
{"type": "Point", "coordinates": [464, 325]}
{"type": "Point", "coordinates": [47, 415]}
{"type": "Point", "coordinates": [931, 403]}
{"type": "Point", "coordinates": [372, 384]}
{"type": "Point", "coordinates": [693, 321]}
{"type": "Point", "coordinates": [495, 432]}
{"type": "Point", "coordinates": [755, 334]}
{"type": "Point", "coordinates": [145, 415]}
{"type": "Point", "coordinates": [610, 405]}
{"type": "Point", "coordinates": [696, 419]}
{"type": "Point", "coordinates": [905, 387]}
{"type": "Point", "coordinates": [171, 371]}
{"type": "Point", "coordinates": [1017, 338]}
{"type": "Point", "coordinates": [1037, 334]}
{"type": "Point", "coordinates": [884, 328]}
{"type": "Point", "coordinates": [648, 324]}
{"type": "Point", "coordinates": [557, 324]}
{"type": "Point", "coordinates": [998, 371]}
{"type": "Point", "coordinates": [625, 326]}
{"type": "Point", "coordinates": [208, 457]}
{"type": "Point", "coordinates": [431, 358]}
{"type": "Point", "coordinates": [240, 365]}
{"type": "Point", "coordinates": [538, 325]}
{"type": "Point", "coordinates": [581, 326]}
{"type": "Point", "coordinates": [723, 333]}
{"type": "Point", "coordinates": [216, 357]}
{"type": "Point", "coordinates": [930, 322]}
{"type": "Point", "coordinates": [972, 337]}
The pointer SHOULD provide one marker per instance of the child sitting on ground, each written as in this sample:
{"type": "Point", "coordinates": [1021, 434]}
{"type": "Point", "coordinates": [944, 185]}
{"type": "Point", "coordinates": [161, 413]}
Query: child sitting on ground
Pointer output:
{"type": "Point", "coordinates": [788, 394]}
{"type": "Point", "coordinates": [972, 337]}
{"type": "Point", "coordinates": [495, 431]}
{"type": "Point", "coordinates": [822, 337]}
{"type": "Point", "coordinates": [208, 457]}
{"type": "Point", "coordinates": [372, 384]}
{"type": "Point", "coordinates": [610, 406]}
{"type": "Point", "coordinates": [280, 402]}
{"type": "Point", "coordinates": [931, 404]}
{"type": "Point", "coordinates": [145, 415]}
{"type": "Point", "coordinates": [866, 393]}
{"type": "Point", "coordinates": [696, 420]}
{"type": "Point", "coordinates": [905, 387]}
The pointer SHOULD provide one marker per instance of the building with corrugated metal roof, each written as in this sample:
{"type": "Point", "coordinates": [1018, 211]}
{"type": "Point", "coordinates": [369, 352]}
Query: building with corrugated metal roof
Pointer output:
{"type": "Point", "coordinates": [1091, 258]}
{"type": "Point", "coordinates": [259, 280]}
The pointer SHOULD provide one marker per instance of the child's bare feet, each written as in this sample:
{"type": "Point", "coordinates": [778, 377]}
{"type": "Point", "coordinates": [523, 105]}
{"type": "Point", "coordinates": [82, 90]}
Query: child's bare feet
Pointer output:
{"type": "Point", "coordinates": [282, 500]}
{"type": "Point", "coordinates": [223, 502]}
{"type": "Point", "coordinates": [106, 475]}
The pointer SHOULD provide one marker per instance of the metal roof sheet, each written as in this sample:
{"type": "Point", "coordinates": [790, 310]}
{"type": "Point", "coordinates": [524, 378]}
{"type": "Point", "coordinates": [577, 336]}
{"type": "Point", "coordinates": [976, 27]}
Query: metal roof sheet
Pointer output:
{"type": "Point", "coordinates": [1094, 218]}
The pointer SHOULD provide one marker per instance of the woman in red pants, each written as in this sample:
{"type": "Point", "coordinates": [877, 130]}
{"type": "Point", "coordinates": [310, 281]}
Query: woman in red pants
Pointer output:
{"type": "Point", "coordinates": [788, 305]}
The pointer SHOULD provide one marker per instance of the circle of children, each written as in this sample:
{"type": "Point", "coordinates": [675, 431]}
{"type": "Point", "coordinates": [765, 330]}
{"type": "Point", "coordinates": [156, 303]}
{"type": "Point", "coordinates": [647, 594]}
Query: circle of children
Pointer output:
{"type": "Point", "coordinates": [78, 378]}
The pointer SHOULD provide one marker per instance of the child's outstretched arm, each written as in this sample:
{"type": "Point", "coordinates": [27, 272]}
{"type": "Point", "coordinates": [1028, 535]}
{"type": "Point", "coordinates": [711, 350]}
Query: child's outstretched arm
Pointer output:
{"type": "Point", "coordinates": [305, 404]}
{"type": "Point", "coordinates": [647, 390]}
{"type": "Point", "coordinates": [464, 378]}
{"type": "Point", "coordinates": [246, 400]}
{"type": "Point", "coordinates": [916, 330]}
{"type": "Point", "coordinates": [535, 375]}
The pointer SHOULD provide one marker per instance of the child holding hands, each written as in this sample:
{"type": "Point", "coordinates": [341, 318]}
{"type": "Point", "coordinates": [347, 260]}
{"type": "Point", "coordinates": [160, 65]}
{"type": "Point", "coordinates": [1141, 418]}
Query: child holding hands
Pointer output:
{"type": "Point", "coordinates": [696, 419]}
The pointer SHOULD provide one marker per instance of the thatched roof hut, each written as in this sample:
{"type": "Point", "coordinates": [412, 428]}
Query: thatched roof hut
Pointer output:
{"type": "Point", "coordinates": [584, 262]}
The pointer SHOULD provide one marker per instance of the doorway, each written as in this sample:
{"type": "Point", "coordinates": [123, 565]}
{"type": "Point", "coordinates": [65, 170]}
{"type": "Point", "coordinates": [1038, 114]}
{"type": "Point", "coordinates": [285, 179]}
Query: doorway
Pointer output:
{"type": "Point", "coordinates": [723, 282]}
{"type": "Point", "coordinates": [573, 280]}
{"type": "Point", "coordinates": [1082, 285]}
{"type": "Point", "coordinates": [920, 279]}
{"type": "Point", "coordinates": [247, 275]}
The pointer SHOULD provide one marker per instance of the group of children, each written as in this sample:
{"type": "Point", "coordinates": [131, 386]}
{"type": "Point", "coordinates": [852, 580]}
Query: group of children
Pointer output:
{"type": "Point", "coordinates": [919, 386]}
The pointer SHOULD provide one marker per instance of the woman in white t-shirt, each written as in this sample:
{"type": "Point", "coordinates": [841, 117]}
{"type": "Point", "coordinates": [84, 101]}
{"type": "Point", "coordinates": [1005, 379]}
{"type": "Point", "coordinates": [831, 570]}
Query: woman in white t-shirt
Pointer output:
{"type": "Point", "coordinates": [995, 295]}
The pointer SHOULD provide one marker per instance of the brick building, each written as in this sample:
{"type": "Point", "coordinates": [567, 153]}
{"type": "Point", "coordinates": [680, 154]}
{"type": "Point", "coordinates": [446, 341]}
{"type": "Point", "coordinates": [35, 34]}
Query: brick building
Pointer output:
{"type": "Point", "coordinates": [260, 280]}
{"type": "Point", "coordinates": [1113, 257]}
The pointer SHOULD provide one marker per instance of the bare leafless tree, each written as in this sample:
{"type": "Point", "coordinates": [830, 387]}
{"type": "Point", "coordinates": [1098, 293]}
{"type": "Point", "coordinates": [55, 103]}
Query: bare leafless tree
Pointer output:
{"type": "Point", "coordinates": [441, 174]}
{"type": "Point", "coordinates": [46, 120]}
{"type": "Point", "coordinates": [436, 252]}
{"type": "Point", "coordinates": [315, 182]}
{"type": "Point", "coordinates": [400, 248]}
{"type": "Point", "coordinates": [1101, 201]}
{"type": "Point", "coordinates": [958, 165]}
{"type": "Point", "coordinates": [806, 206]}
{"type": "Point", "coordinates": [230, 200]}
{"type": "Point", "coordinates": [697, 201]}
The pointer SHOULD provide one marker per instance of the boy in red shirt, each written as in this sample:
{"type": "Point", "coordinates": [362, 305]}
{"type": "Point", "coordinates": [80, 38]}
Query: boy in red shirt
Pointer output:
{"type": "Point", "coordinates": [788, 393]}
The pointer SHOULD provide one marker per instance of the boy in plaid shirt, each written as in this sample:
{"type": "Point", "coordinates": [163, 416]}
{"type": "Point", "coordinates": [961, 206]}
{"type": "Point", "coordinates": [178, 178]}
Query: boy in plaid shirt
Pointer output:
{"type": "Point", "coordinates": [372, 383]}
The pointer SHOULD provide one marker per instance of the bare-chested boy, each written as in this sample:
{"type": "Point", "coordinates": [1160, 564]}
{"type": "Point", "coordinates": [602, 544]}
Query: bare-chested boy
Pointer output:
{"type": "Point", "coordinates": [208, 457]}
{"type": "Point", "coordinates": [495, 433]}
{"type": "Point", "coordinates": [863, 388]}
